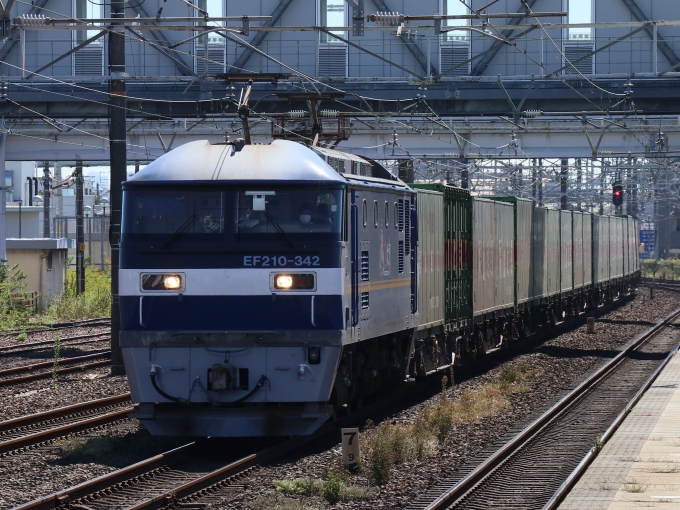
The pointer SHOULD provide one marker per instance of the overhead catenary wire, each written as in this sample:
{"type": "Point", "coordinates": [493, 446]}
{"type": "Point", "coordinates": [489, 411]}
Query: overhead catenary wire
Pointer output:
{"type": "Point", "coordinates": [415, 129]}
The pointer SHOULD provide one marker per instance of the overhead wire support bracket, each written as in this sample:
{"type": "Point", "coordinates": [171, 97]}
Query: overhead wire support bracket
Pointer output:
{"type": "Point", "coordinates": [39, 20]}
{"type": "Point", "coordinates": [392, 18]}
{"type": "Point", "coordinates": [357, 17]}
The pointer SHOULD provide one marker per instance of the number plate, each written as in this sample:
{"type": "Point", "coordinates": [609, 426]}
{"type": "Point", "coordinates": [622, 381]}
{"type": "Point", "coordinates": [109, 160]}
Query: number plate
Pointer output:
{"type": "Point", "coordinates": [281, 261]}
{"type": "Point", "coordinates": [350, 446]}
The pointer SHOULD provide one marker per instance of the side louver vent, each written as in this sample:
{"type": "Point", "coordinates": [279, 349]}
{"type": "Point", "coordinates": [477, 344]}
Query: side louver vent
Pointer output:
{"type": "Point", "coordinates": [401, 256]}
{"type": "Point", "coordinates": [364, 266]}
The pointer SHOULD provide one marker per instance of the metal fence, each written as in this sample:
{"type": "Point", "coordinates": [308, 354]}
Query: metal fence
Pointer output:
{"type": "Point", "coordinates": [613, 49]}
{"type": "Point", "coordinates": [97, 247]}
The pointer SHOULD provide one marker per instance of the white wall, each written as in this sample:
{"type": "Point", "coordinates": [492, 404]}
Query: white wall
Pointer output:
{"type": "Point", "coordinates": [31, 221]}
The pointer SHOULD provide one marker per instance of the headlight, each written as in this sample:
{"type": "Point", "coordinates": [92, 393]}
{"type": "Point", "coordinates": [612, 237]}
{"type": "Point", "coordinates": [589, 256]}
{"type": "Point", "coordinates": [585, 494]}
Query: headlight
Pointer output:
{"type": "Point", "coordinates": [293, 281]}
{"type": "Point", "coordinates": [283, 281]}
{"type": "Point", "coordinates": [159, 282]}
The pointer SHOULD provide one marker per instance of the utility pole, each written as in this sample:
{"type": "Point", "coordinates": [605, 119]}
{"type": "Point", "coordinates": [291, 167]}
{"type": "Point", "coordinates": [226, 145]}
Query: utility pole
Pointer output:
{"type": "Point", "coordinates": [533, 179]}
{"type": "Point", "coordinates": [579, 182]}
{"type": "Point", "coordinates": [602, 168]}
{"type": "Point", "coordinates": [80, 231]}
{"type": "Point", "coordinates": [635, 207]}
{"type": "Point", "coordinates": [540, 182]}
{"type": "Point", "coordinates": [46, 199]}
{"type": "Point", "coordinates": [464, 182]}
{"type": "Point", "coordinates": [3, 197]}
{"type": "Point", "coordinates": [118, 151]}
{"type": "Point", "coordinates": [58, 200]}
{"type": "Point", "coordinates": [563, 183]}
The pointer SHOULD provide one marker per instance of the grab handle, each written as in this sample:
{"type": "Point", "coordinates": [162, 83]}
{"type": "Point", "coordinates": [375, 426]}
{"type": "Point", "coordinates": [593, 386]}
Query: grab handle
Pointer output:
{"type": "Point", "coordinates": [313, 312]}
{"type": "Point", "coordinates": [141, 322]}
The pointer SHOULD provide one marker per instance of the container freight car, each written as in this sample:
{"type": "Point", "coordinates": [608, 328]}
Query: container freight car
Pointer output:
{"type": "Point", "coordinates": [566, 253]}
{"type": "Point", "coordinates": [546, 254]}
{"type": "Point", "coordinates": [601, 256]}
{"type": "Point", "coordinates": [552, 268]}
{"type": "Point", "coordinates": [431, 259]}
{"type": "Point", "coordinates": [578, 272]}
{"type": "Point", "coordinates": [616, 249]}
{"type": "Point", "coordinates": [587, 250]}
{"type": "Point", "coordinates": [523, 225]}
{"type": "Point", "coordinates": [493, 269]}
{"type": "Point", "coordinates": [444, 274]}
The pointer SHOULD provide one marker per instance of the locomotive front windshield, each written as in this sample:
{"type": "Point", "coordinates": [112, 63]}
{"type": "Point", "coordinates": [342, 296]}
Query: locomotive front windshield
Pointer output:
{"type": "Point", "coordinates": [171, 217]}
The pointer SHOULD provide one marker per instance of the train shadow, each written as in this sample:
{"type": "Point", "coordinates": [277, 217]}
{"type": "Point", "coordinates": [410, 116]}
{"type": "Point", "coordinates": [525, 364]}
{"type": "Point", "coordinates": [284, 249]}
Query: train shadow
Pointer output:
{"type": "Point", "coordinates": [122, 448]}
{"type": "Point", "coordinates": [555, 351]}
{"type": "Point", "coordinates": [624, 322]}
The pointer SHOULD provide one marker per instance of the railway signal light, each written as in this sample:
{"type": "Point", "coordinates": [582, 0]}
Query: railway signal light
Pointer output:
{"type": "Point", "coordinates": [617, 195]}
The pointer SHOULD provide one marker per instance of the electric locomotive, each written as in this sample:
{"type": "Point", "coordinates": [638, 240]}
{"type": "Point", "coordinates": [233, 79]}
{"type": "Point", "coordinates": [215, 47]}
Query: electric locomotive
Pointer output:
{"type": "Point", "coordinates": [263, 287]}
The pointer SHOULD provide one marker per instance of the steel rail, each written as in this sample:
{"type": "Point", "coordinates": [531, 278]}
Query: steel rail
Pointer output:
{"type": "Point", "coordinates": [42, 364]}
{"type": "Point", "coordinates": [215, 478]}
{"type": "Point", "coordinates": [32, 419]}
{"type": "Point", "coordinates": [212, 479]}
{"type": "Point", "coordinates": [108, 480]}
{"type": "Point", "coordinates": [62, 430]}
{"type": "Point", "coordinates": [464, 486]}
{"type": "Point", "coordinates": [31, 439]}
{"type": "Point", "coordinates": [49, 342]}
{"type": "Point", "coordinates": [64, 370]}
{"type": "Point", "coordinates": [61, 325]}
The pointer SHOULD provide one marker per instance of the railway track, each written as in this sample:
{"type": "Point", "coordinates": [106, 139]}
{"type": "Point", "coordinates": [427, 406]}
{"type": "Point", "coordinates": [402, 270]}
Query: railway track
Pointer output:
{"type": "Point", "coordinates": [99, 321]}
{"type": "Point", "coordinates": [537, 466]}
{"type": "Point", "coordinates": [671, 285]}
{"type": "Point", "coordinates": [181, 478]}
{"type": "Point", "coordinates": [196, 472]}
{"type": "Point", "coordinates": [33, 371]}
{"type": "Point", "coordinates": [47, 344]}
{"type": "Point", "coordinates": [35, 429]}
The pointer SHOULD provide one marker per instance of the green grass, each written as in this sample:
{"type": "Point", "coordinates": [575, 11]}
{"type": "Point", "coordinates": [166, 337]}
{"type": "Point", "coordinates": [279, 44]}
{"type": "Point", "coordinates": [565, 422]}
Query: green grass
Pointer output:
{"type": "Point", "coordinates": [94, 302]}
{"type": "Point", "coordinates": [17, 312]}
{"type": "Point", "coordinates": [15, 308]}
{"type": "Point", "coordinates": [390, 444]}
{"type": "Point", "coordinates": [335, 486]}
{"type": "Point", "coordinates": [668, 269]}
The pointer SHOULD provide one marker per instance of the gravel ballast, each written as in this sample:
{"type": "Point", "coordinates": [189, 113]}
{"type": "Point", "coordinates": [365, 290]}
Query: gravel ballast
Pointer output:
{"type": "Point", "coordinates": [562, 362]}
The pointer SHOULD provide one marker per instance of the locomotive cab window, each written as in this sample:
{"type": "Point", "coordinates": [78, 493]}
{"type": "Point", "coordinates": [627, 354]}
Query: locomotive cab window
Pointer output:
{"type": "Point", "coordinates": [172, 218]}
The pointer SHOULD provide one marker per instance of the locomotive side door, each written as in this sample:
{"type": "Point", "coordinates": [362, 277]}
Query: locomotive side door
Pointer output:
{"type": "Point", "coordinates": [354, 251]}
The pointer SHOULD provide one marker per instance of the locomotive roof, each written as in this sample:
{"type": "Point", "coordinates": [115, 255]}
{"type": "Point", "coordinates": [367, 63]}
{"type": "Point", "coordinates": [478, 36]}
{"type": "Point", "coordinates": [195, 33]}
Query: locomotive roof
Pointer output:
{"type": "Point", "coordinates": [201, 161]}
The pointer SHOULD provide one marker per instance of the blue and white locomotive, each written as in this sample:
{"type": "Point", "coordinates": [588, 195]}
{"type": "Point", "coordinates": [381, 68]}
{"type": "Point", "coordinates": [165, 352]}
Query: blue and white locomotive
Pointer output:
{"type": "Point", "coordinates": [263, 287]}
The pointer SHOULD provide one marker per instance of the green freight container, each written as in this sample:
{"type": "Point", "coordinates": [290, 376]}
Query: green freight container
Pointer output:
{"type": "Point", "coordinates": [457, 253]}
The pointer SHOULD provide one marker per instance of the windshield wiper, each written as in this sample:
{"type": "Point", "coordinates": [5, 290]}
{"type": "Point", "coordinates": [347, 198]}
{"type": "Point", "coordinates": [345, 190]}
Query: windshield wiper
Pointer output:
{"type": "Point", "coordinates": [280, 231]}
{"type": "Point", "coordinates": [180, 231]}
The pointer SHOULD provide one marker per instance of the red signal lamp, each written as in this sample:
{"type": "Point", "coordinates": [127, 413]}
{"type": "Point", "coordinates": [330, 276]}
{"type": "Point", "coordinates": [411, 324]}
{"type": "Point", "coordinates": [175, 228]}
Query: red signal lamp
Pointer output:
{"type": "Point", "coordinates": [617, 195]}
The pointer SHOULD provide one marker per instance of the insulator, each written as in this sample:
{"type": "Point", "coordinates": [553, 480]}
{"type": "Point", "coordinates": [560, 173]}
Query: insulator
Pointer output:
{"type": "Point", "coordinates": [32, 20]}
{"type": "Point", "coordinates": [297, 114]}
{"type": "Point", "coordinates": [388, 18]}
{"type": "Point", "coordinates": [532, 114]}
{"type": "Point", "coordinates": [329, 113]}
